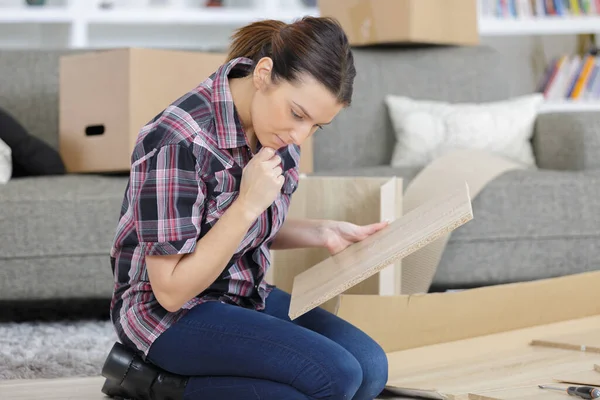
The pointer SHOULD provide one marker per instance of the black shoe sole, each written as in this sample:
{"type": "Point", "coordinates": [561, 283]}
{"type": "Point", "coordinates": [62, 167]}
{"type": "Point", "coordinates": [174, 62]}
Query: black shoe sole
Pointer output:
{"type": "Point", "coordinates": [114, 391]}
{"type": "Point", "coordinates": [128, 376]}
{"type": "Point", "coordinates": [115, 369]}
{"type": "Point", "coordinates": [117, 363]}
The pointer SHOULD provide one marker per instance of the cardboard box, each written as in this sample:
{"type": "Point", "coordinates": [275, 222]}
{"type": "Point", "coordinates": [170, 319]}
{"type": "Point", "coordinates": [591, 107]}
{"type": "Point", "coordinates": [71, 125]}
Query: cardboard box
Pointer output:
{"type": "Point", "coordinates": [107, 96]}
{"type": "Point", "coordinates": [370, 22]}
{"type": "Point", "coordinates": [404, 322]}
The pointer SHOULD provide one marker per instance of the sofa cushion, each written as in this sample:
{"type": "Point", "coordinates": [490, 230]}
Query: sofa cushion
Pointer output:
{"type": "Point", "coordinates": [31, 156]}
{"type": "Point", "coordinates": [427, 129]}
{"type": "Point", "coordinates": [362, 135]}
{"type": "Point", "coordinates": [527, 225]}
{"type": "Point", "coordinates": [5, 162]}
{"type": "Point", "coordinates": [65, 215]}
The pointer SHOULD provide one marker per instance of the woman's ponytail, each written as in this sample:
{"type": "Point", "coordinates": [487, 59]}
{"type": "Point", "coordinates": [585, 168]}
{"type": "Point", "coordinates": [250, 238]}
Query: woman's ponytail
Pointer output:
{"type": "Point", "coordinates": [254, 41]}
{"type": "Point", "coordinates": [314, 45]}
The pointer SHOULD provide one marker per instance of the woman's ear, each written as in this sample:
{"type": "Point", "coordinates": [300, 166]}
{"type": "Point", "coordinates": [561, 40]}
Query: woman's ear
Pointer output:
{"type": "Point", "coordinates": [262, 73]}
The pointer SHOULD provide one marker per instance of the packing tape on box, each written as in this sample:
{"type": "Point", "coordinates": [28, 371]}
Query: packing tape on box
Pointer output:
{"type": "Point", "coordinates": [477, 168]}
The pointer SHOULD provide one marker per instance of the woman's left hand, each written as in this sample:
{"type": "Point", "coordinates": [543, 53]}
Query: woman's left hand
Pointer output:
{"type": "Point", "coordinates": [337, 235]}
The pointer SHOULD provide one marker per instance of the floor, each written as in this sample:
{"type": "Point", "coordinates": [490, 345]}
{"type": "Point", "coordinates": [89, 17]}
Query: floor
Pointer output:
{"type": "Point", "coordinates": [504, 366]}
{"type": "Point", "coordinates": [53, 389]}
{"type": "Point", "coordinates": [56, 389]}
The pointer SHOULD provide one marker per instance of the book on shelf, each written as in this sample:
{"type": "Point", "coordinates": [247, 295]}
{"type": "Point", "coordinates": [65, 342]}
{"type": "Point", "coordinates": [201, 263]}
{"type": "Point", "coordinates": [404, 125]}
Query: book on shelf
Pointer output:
{"type": "Point", "coordinates": [538, 8]}
{"type": "Point", "coordinates": [572, 78]}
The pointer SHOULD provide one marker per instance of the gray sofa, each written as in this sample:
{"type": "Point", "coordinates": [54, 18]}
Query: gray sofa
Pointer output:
{"type": "Point", "coordinates": [530, 224]}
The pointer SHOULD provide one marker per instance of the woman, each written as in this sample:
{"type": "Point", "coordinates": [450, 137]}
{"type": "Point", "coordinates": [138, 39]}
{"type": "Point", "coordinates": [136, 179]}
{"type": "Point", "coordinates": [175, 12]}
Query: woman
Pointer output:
{"type": "Point", "coordinates": [210, 184]}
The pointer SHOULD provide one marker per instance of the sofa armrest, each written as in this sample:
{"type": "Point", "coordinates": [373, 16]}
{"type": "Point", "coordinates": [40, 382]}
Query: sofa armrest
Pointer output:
{"type": "Point", "coordinates": [567, 140]}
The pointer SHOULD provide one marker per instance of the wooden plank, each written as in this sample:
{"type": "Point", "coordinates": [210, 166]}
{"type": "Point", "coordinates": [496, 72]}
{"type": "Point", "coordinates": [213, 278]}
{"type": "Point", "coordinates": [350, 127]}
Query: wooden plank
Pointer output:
{"type": "Point", "coordinates": [360, 261]}
{"type": "Point", "coordinates": [390, 278]}
{"type": "Point", "coordinates": [587, 341]}
{"type": "Point", "coordinates": [590, 377]}
{"type": "Point", "coordinates": [520, 393]}
{"type": "Point", "coordinates": [352, 199]}
{"type": "Point", "coordinates": [494, 366]}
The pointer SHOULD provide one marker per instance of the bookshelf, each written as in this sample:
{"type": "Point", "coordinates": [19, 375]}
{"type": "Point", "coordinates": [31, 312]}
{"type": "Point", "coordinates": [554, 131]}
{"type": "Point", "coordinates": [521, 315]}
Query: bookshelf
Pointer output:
{"type": "Point", "coordinates": [570, 106]}
{"type": "Point", "coordinates": [511, 18]}
{"type": "Point", "coordinates": [84, 24]}
{"type": "Point", "coordinates": [547, 25]}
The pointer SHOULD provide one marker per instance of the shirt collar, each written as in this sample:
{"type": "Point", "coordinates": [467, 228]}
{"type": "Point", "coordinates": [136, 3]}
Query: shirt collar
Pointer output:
{"type": "Point", "coordinates": [228, 127]}
{"type": "Point", "coordinates": [229, 131]}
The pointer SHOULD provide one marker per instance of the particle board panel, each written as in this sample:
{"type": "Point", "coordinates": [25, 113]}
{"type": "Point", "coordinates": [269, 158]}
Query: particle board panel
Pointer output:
{"type": "Point", "coordinates": [359, 200]}
{"type": "Point", "coordinates": [391, 208]}
{"type": "Point", "coordinates": [498, 366]}
{"type": "Point", "coordinates": [586, 341]}
{"type": "Point", "coordinates": [590, 377]}
{"type": "Point", "coordinates": [518, 393]}
{"type": "Point", "coordinates": [362, 260]}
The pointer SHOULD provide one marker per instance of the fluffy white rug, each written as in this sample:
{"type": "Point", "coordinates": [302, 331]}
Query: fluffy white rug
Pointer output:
{"type": "Point", "coordinates": [31, 350]}
{"type": "Point", "coordinates": [35, 350]}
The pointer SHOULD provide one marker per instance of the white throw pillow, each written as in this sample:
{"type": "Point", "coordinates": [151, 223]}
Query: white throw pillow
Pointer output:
{"type": "Point", "coordinates": [5, 162]}
{"type": "Point", "coordinates": [427, 129]}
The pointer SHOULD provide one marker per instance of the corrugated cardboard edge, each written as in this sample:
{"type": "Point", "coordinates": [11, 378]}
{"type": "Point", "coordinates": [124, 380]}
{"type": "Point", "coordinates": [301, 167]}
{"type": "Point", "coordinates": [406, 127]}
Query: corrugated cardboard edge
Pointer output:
{"type": "Point", "coordinates": [409, 321]}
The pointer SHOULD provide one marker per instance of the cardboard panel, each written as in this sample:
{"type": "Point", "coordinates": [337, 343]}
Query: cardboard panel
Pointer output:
{"type": "Point", "coordinates": [158, 77]}
{"type": "Point", "coordinates": [410, 321]}
{"type": "Point", "coordinates": [107, 96]}
{"type": "Point", "coordinates": [94, 111]}
{"type": "Point", "coordinates": [362, 260]}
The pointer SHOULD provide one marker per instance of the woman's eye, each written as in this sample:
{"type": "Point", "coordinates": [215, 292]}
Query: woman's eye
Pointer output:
{"type": "Point", "coordinates": [296, 115]}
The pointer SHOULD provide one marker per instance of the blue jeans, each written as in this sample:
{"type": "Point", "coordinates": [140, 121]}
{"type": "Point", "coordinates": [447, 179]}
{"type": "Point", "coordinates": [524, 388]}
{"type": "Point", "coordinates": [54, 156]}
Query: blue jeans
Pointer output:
{"type": "Point", "coordinates": [235, 353]}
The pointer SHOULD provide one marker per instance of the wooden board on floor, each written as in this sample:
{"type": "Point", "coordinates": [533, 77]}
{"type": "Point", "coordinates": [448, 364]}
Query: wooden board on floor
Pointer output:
{"type": "Point", "coordinates": [587, 341]}
{"type": "Point", "coordinates": [85, 388]}
{"type": "Point", "coordinates": [590, 378]}
{"type": "Point", "coordinates": [502, 366]}
{"type": "Point", "coordinates": [519, 393]}
{"type": "Point", "coordinates": [361, 260]}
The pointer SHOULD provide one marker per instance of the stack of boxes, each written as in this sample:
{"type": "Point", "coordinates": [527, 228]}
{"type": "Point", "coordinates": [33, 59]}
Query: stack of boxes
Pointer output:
{"type": "Point", "coordinates": [107, 96]}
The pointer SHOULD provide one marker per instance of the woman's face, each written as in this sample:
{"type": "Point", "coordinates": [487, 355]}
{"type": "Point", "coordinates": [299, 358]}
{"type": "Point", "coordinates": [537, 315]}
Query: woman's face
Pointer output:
{"type": "Point", "coordinates": [288, 113]}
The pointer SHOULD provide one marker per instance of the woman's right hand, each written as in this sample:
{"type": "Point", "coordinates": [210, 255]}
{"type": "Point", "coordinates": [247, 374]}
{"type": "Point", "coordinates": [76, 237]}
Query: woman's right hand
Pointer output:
{"type": "Point", "coordinates": [262, 180]}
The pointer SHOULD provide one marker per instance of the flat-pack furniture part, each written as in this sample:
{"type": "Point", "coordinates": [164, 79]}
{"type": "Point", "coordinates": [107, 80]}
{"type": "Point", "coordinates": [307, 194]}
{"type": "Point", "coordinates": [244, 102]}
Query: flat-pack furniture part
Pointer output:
{"type": "Point", "coordinates": [407, 234]}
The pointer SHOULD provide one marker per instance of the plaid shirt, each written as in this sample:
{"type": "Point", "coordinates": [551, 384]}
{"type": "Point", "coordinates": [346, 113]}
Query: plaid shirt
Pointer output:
{"type": "Point", "coordinates": [186, 170]}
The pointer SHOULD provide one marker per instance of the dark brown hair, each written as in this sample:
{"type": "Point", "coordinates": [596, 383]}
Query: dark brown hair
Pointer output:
{"type": "Point", "coordinates": [314, 45]}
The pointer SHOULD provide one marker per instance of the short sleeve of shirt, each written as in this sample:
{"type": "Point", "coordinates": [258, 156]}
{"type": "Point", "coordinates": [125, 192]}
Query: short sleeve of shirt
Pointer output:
{"type": "Point", "coordinates": [169, 202]}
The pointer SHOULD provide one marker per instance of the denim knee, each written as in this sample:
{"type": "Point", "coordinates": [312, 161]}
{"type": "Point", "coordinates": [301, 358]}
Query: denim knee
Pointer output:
{"type": "Point", "coordinates": [347, 377]}
{"type": "Point", "coordinates": [375, 373]}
